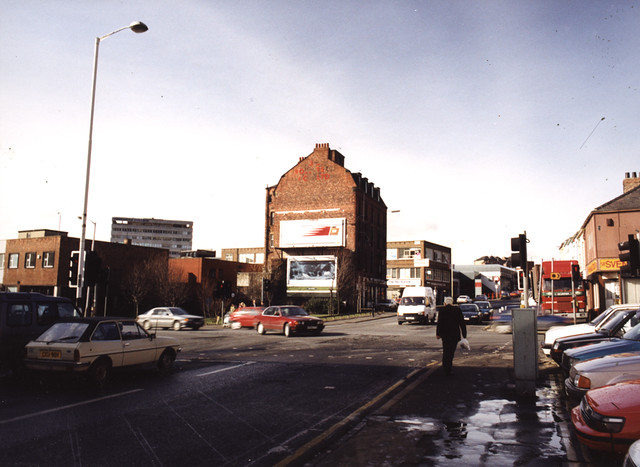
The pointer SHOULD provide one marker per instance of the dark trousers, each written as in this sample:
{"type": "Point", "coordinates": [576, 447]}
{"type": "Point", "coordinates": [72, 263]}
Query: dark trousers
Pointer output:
{"type": "Point", "coordinates": [448, 351]}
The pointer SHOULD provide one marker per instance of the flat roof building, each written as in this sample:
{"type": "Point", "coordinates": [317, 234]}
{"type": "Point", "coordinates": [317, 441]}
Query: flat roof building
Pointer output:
{"type": "Point", "coordinates": [175, 236]}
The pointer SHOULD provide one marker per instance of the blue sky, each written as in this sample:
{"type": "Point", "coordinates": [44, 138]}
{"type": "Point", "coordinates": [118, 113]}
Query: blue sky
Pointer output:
{"type": "Point", "coordinates": [478, 120]}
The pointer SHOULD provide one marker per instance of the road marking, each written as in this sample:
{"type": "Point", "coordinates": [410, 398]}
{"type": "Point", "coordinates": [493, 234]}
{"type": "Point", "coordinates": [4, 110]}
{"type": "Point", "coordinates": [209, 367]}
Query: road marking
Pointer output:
{"type": "Point", "coordinates": [70, 406]}
{"type": "Point", "coordinates": [225, 369]}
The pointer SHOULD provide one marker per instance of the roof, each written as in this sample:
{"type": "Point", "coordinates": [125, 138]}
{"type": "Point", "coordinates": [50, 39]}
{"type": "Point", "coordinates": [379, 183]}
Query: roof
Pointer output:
{"type": "Point", "coordinates": [625, 202]}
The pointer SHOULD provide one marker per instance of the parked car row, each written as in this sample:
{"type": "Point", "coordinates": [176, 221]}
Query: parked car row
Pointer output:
{"type": "Point", "coordinates": [601, 360]}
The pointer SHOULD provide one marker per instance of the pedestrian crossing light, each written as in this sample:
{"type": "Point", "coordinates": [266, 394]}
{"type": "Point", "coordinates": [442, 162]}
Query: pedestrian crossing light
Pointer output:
{"type": "Point", "coordinates": [73, 268]}
{"type": "Point", "coordinates": [519, 252]}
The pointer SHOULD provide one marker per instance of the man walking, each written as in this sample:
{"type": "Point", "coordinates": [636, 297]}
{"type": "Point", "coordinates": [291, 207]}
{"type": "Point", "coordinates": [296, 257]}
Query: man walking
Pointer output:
{"type": "Point", "coordinates": [449, 328]}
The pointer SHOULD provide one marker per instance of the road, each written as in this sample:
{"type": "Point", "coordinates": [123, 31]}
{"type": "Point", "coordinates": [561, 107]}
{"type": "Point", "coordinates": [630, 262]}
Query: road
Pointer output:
{"type": "Point", "coordinates": [234, 398]}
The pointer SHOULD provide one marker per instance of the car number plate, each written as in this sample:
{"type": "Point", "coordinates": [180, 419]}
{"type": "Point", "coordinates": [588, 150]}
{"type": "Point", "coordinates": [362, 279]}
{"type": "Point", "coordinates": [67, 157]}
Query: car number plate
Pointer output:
{"type": "Point", "coordinates": [50, 354]}
{"type": "Point", "coordinates": [409, 318]}
{"type": "Point", "coordinates": [312, 327]}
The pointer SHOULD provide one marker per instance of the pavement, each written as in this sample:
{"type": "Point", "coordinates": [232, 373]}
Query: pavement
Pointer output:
{"type": "Point", "coordinates": [478, 416]}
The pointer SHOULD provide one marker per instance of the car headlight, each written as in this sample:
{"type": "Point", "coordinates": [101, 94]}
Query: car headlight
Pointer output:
{"type": "Point", "coordinates": [556, 345]}
{"type": "Point", "coordinates": [599, 422]}
{"type": "Point", "coordinates": [582, 382]}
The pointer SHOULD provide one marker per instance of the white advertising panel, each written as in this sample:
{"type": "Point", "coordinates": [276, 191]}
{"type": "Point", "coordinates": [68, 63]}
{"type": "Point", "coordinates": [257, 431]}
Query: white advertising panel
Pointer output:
{"type": "Point", "coordinates": [311, 274]}
{"type": "Point", "coordinates": [312, 233]}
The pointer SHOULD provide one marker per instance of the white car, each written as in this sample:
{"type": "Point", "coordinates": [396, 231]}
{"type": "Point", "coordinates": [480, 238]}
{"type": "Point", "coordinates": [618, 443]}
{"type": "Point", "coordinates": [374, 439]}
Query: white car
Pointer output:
{"type": "Point", "coordinates": [464, 299]}
{"type": "Point", "coordinates": [602, 371]}
{"type": "Point", "coordinates": [556, 332]}
{"type": "Point", "coordinates": [170, 317]}
{"type": "Point", "coordinates": [94, 346]}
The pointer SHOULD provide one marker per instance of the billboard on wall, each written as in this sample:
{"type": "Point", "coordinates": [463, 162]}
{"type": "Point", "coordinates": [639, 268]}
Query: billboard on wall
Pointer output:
{"type": "Point", "coordinates": [311, 274]}
{"type": "Point", "coordinates": [312, 233]}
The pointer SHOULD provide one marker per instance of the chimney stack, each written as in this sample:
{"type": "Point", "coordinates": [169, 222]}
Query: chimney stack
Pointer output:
{"type": "Point", "coordinates": [631, 181]}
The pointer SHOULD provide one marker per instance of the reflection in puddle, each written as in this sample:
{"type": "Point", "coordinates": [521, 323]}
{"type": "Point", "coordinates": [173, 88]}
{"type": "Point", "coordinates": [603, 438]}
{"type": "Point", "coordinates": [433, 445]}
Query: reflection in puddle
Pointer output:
{"type": "Point", "coordinates": [498, 432]}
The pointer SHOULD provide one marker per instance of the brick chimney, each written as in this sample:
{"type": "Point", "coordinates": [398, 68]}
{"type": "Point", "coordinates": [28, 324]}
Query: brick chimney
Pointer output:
{"type": "Point", "coordinates": [631, 180]}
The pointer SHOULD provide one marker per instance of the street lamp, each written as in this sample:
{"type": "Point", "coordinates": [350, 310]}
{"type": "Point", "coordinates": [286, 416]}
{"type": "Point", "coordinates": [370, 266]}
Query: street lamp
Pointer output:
{"type": "Point", "coordinates": [137, 27]}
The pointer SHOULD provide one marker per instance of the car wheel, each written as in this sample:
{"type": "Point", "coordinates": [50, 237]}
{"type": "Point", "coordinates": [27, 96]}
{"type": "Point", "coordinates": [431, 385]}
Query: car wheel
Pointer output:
{"type": "Point", "coordinates": [287, 330]}
{"type": "Point", "coordinates": [195, 328]}
{"type": "Point", "coordinates": [400, 323]}
{"type": "Point", "coordinates": [99, 372]}
{"type": "Point", "coordinates": [165, 362]}
{"type": "Point", "coordinates": [146, 325]}
{"type": "Point", "coordinates": [260, 328]}
{"type": "Point", "coordinates": [177, 326]}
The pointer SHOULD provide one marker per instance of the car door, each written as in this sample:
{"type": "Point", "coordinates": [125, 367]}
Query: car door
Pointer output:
{"type": "Point", "coordinates": [106, 340]}
{"type": "Point", "coordinates": [271, 318]}
{"type": "Point", "coordinates": [138, 346]}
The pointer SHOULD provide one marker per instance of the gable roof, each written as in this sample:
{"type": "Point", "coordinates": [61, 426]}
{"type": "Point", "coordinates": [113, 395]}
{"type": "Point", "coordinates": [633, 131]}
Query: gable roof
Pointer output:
{"type": "Point", "coordinates": [625, 202]}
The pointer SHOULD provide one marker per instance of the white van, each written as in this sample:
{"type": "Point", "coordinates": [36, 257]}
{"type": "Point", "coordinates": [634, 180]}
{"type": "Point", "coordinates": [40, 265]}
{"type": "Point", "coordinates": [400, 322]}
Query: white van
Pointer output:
{"type": "Point", "coordinates": [417, 305]}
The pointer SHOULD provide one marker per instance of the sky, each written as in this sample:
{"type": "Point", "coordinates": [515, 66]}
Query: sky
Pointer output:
{"type": "Point", "coordinates": [478, 120]}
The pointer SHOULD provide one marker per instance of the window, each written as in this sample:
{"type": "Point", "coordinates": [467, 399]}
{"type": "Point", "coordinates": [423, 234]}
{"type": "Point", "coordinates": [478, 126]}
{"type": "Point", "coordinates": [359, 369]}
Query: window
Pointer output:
{"type": "Point", "coordinates": [131, 330]}
{"type": "Point", "coordinates": [1, 261]}
{"type": "Point", "coordinates": [30, 260]}
{"type": "Point", "coordinates": [13, 260]}
{"type": "Point", "coordinates": [48, 259]}
{"type": "Point", "coordinates": [106, 332]}
{"type": "Point", "coordinates": [409, 253]}
{"type": "Point", "coordinates": [47, 313]}
{"type": "Point", "coordinates": [19, 314]}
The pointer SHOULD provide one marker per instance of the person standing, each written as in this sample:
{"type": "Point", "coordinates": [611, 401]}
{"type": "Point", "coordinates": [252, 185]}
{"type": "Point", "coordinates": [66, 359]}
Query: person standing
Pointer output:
{"type": "Point", "coordinates": [449, 328]}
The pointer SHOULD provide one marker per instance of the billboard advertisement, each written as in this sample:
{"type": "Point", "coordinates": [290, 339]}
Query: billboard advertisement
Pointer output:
{"type": "Point", "coordinates": [312, 233]}
{"type": "Point", "coordinates": [311, 274]}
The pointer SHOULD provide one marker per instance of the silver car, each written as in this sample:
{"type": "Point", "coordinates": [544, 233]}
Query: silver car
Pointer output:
{"type": "Point", "coordinates": [170, 317]}
{"type": "Point", "coordinates": [602, 371]}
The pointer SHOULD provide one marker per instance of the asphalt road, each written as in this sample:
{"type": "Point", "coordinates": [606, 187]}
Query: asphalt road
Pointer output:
{"type": "Point", "coordinates": [234, 398]}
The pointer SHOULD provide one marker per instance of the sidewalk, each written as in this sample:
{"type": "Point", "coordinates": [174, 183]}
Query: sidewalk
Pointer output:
{"type": "Point", "coordinates": [472, 418]}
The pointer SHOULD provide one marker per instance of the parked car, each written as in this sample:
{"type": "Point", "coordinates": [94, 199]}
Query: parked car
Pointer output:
{"type": "Point", "coordinates": [95, 346]}
{"type": "Point", "coordinates": [485, 308]}
{"type": "Point", "coordinates": [602, 371]}
{"type": "Point", "coordinates": [170, 317]}
{"type": "Point", "coordinates": [608, 418]}
{"type": "Point", "coordinates": [629, 342]}
{"type": "Point", "coordinates": [245, 317]}
{"type": "Point", "coordinates": [289, 320]}
{"type": "Point", "coordinates": [386, 305]}
{"type": "Point", "coordinates": [481, 298]}
{"type": "Point", "coordinates": [471, 312]}
{"type": "Point", "coordinates": [463, 299]}
{"type": "Point", "coordinates": [23, 317]}
{"type": "Point", "coordinates": [632, 458]}
{"type": "Point", "coordinates": [557, 332]}
{"type": "Point", "coordinates": [615, 326]}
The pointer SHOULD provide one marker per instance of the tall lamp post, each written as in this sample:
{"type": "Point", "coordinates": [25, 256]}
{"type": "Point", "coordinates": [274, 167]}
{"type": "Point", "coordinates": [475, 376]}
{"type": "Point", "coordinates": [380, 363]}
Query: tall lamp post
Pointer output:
{"type": "Point", "coordinates": [137, 27]}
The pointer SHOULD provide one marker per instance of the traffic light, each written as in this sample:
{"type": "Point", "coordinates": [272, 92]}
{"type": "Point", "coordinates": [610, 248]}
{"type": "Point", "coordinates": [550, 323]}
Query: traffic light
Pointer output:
{"type": "Point", "coordinates": [575, 273]}
{"type": "Point", "coordinates": [266, 284]}
{"type": "Point", "coordinates": [519, 252]}
{"type": "Point", "coordinates": [630, 253]}
{"type": "Point", "coordinates": [92, 269]}
{"type": "Point", "coordinates": [73, 268]}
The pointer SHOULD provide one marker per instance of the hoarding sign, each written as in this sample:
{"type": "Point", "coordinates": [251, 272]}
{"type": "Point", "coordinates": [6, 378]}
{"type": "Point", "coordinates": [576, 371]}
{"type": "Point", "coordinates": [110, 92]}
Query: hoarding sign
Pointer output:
{"type": "Point", "coordinates": [312, 233]}
{"type": "Point", "coordinates": [311, 274]}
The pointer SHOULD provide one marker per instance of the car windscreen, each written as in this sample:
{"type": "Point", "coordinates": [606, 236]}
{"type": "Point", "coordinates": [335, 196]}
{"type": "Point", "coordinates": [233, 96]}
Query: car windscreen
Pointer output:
{"type": "Point", "coordinates": [616, 320]}
{"type": "Point", "coordinates": [412, 301]}
{"type": "Point", "coordinates": [482, 305]}
{"type": "Point", "coordinates": [633, 333]}
{"type": "Point", "coordinates": [178, 311]}
{"type": "Point", "coordinates": [63, 332]}
{"type": "Point", "coordinates": [293, 312]}
{"type": "Point", "coordinates": [468, 308]}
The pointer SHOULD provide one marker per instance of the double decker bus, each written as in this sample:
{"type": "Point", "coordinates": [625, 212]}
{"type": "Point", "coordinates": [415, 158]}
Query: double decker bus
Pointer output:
{"type": "Point", "coordinates": [562, 290]}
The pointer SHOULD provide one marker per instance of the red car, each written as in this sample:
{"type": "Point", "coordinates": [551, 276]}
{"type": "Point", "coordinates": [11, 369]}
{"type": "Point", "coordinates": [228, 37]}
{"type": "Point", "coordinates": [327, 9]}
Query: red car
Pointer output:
{"type": "Point", "coordinates": [608, 418]}
{"type": "Point", "coordinates": [289, 320]}
{"type": "Point", "coordinates": [245, 317]}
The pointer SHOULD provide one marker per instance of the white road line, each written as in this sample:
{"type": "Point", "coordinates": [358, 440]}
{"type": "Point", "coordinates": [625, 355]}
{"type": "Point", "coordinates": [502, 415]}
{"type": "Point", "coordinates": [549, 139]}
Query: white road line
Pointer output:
{"type": "Point", "coordinates": [225, 369]}
{"type": "Point", "coordinates": [70, 406]}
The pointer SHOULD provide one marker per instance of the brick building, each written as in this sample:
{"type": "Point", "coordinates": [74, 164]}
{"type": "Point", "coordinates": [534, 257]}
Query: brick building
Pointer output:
{"type": "Point", "coordinates": [39, 261]}
{"type": "Point", "coordinates": [325, 233]}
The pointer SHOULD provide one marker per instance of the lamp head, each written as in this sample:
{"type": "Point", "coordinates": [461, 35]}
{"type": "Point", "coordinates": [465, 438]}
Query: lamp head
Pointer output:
{"type": "Point", "coordinates": [138, 27]}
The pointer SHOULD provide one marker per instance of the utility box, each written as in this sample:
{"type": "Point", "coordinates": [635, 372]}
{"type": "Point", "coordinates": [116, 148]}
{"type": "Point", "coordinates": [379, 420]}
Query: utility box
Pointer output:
{"type": "Point", "coordinates": [525, 344]}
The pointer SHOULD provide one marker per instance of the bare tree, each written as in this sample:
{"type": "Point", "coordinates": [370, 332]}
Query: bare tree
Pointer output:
{"type": "Point", "coordinates": [139, 283]}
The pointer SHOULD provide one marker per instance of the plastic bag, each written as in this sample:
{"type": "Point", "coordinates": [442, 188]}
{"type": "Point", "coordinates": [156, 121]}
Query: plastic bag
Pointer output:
{"type": "Point", "coordinates": [464, 344]}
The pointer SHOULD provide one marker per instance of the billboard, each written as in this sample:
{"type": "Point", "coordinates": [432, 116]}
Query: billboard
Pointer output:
{"type": "Point", "coordinates": [312, 233]}
{"type": "Point", "coordinates": [311, 274]}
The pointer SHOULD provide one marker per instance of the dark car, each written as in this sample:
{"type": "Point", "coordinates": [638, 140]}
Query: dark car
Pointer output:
{"type": "Point", "coordinates": [485, 308]}
{"type": "Point", "coordinates": [619, 323]}
{"type": "Point", "coordinates": [386, 305]}
{"type": "Point", "coordinates": [289, 320]}
{"type": "Point", "coordinates": [471, 312]}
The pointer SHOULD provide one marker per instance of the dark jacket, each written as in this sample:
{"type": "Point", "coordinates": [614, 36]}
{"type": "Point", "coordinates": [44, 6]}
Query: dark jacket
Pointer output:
{"type": "Point", "coordinates": [451, 323]}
